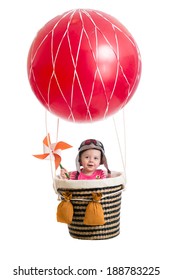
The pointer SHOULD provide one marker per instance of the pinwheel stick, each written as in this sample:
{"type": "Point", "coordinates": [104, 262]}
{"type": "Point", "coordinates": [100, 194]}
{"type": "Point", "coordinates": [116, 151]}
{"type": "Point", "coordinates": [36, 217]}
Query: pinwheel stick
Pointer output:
{"type": "Point", "coordinates": [66, 172]}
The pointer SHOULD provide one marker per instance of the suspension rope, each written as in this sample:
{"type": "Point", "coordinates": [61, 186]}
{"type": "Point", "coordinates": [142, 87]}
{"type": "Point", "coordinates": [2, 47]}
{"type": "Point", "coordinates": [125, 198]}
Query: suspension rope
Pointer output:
{"type": "Point", "coordinates": [53, 171]}
{"type": "Point", "coordinates": [123, 158]}
{"type": "Point", "coordinates": [57, 130]}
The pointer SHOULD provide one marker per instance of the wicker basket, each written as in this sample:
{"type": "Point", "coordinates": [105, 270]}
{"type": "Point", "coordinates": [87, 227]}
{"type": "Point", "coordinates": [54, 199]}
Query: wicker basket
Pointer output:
{"type": "Point", "coordinates": [111, 190]}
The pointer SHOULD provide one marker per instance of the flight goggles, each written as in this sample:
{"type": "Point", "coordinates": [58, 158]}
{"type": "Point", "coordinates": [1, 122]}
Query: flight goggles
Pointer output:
{"type": "Point", "coordinates": [91, 141]}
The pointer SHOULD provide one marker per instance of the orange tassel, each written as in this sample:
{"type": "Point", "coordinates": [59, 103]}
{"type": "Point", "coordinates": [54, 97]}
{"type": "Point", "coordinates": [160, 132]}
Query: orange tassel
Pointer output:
{"type": "Point", "coordinates": [65, 209]}
{"type": "Point", "coordinates": [94, 214]}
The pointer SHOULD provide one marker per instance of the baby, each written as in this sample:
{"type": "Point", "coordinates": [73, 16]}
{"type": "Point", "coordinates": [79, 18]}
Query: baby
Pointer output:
{"type": "Point", "coordinates": [91, 155]}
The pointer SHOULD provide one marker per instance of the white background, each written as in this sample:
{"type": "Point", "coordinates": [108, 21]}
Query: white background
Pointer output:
{"type": "Point", "coordinates": [30, 235]}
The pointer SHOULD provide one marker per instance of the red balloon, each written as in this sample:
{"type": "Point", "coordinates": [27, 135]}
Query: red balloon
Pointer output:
{"type": "Point", "coordinates": [84, 65]}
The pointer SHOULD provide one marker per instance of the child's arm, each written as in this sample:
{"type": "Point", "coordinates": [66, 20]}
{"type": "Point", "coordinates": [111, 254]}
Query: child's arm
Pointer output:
{"type": "Point", "coordinates": [64, 173]}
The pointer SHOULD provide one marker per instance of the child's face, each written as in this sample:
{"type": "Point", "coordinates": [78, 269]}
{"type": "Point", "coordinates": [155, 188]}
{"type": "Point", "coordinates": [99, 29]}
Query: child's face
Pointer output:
{"type": "Point", "coordinates": [90, 160]}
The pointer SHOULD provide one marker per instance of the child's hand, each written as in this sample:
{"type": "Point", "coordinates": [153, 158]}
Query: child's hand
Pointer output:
{"type": "Point", "coordinates": [64, 173]}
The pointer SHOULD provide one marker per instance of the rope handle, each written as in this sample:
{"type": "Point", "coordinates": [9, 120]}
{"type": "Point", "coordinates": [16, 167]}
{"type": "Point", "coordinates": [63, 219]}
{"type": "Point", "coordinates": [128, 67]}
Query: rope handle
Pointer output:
{"type": "Point", "coordinates": [87, 199]}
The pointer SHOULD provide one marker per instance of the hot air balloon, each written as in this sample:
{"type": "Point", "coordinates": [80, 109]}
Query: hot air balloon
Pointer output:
{"type": "Point", "coordinates": [84, 66]}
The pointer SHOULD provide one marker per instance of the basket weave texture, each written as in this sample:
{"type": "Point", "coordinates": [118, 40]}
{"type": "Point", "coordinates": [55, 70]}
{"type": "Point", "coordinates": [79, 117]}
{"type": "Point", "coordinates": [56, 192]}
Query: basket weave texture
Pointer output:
{"type": "Point", "coordinates": [111, 204]}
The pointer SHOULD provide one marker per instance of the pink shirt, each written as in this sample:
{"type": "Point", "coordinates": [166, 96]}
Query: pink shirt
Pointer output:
{"type": "Point", "coordinates": [98, 174]}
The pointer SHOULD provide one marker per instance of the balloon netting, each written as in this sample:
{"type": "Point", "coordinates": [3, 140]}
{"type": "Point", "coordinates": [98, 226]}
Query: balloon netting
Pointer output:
{"type": "Point", "coordinates": [84, 65]}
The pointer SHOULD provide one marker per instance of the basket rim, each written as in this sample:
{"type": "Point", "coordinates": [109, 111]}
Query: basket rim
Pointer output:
{"type": "Point", "coordinates": [117, 179]}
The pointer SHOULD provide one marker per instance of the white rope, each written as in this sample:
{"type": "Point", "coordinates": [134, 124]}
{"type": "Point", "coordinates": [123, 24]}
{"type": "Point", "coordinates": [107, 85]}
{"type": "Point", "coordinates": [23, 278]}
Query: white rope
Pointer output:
{"type": "Point", "coordinates": [124, 131]}
{"type": "Point", "coordinates": [87, 199]}
{"type": "Point", "coordinates": [123, 158]}
{"type": "Point", "coordinates": [57, 130]}
{"type": "Point", "coordinates": [53, 171]}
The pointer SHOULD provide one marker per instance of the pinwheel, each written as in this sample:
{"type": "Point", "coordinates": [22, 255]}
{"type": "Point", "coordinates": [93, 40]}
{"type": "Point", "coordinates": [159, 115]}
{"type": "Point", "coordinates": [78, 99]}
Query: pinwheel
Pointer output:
{"type": "Point", "coordinates": [53, 150]}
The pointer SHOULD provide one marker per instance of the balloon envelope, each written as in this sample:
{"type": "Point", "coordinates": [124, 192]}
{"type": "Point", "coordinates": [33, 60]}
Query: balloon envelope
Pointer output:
{"type": "Point", "coordinates": [84, 65]}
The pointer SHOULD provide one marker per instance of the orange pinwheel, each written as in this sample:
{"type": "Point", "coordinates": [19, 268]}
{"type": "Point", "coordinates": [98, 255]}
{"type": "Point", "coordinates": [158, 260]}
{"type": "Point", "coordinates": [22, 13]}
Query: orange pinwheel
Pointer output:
{"type": "Point", "coordinates": [53, 150]}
